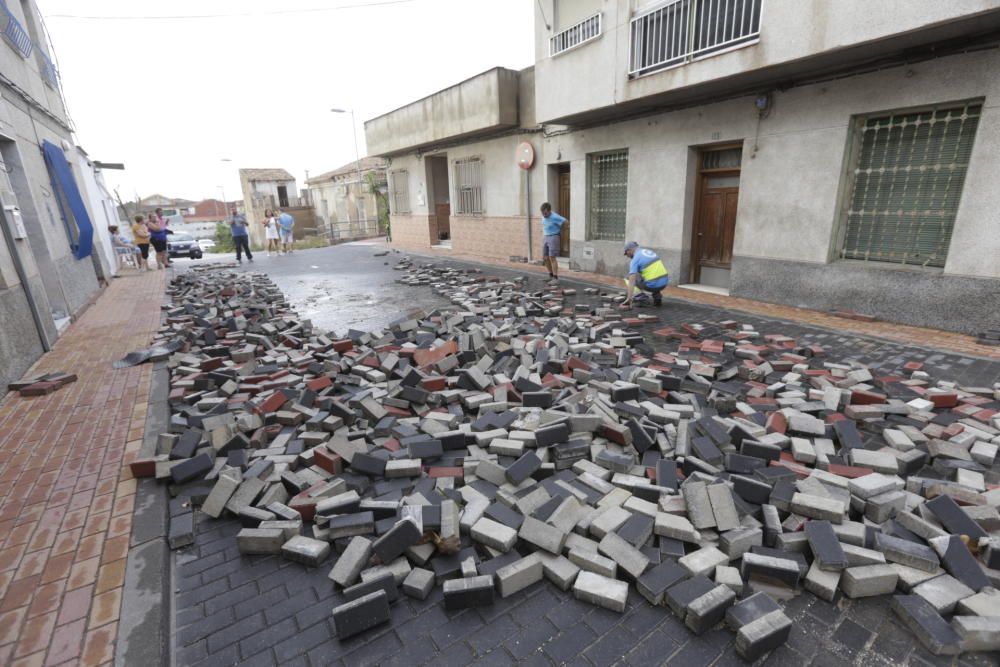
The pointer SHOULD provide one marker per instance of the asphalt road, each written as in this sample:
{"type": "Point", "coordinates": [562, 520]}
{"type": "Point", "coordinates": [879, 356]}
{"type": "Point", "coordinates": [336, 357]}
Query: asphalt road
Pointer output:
{"type": "Point", "coordinates": [340, 287]}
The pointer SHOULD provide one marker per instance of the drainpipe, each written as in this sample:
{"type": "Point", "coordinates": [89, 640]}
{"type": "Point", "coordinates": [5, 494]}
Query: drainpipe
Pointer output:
{"type": "Point", "coordinates": [23, 277]}
{"type": "Point", "coordinates": [527, 203]}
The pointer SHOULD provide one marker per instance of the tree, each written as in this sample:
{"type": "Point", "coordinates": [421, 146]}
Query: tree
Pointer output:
{"type": "Point", "coordinates": [381, 202]}
{"type": "Point", "coordinates": [223, 238]}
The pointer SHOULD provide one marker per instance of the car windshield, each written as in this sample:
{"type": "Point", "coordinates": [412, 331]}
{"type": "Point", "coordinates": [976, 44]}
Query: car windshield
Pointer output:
{"type": "Point", "coordinates": [184, 238]}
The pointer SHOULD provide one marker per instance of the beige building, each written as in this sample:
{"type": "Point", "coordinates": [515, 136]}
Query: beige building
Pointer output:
{"type": "Point", "coordinates": [826, 155]}
{"type": "Point", "coordinates": [345, 205]}
{"type": "Point", "coordinates": [265, 189]}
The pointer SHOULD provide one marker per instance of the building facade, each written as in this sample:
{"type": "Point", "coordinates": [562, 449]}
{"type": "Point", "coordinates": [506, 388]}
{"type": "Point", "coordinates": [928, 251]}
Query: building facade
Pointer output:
{"type": "Point", "coordinates": [823, 155]}
{"type": "Point", "coordinates": [265, 189]}
{"type": "Point", "coordinates": [345, 205]}
{"type": "Point", "coordinates": [48, 267]}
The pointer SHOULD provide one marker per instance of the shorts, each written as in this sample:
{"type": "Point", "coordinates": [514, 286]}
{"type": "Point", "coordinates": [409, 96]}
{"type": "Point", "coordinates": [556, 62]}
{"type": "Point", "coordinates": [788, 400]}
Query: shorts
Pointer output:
{"type": "Point", "coordinates": [286, 235]}
{"type": "Point", "coordinates": [159, 245]}
{"type": "Point", "coordinates": [271, 235]}
{"type": "Point", "coordinates": [550, 245]}
{"type": "Point", "coordinates": [143, 250]}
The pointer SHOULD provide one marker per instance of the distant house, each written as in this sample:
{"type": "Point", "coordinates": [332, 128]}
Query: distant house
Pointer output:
{"type": "Point", "coordinates": [345, 206]}
{"type": "Point", "coordinates": [205, 215]}
{"type": "Point", "coordinates": [273, 188]}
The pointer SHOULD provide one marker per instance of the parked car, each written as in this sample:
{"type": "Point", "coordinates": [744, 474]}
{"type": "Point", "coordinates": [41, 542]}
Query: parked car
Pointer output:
{"type": "Point", "coordinates": [206, 244]}
{"type": "Point", "coordinates": [180, 244]}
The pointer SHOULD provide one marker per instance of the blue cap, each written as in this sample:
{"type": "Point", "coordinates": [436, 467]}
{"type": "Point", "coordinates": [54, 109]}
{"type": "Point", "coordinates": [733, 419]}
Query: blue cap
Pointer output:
{"type": "Point", "coordinates": [629, 245]}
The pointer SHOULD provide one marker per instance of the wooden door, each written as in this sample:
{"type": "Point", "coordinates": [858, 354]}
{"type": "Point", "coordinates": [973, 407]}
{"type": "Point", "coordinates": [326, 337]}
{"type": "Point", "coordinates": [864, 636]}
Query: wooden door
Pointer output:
{"type": "Point", "coordinates": [716, 222]}
{"type": "Point", "coordinates": [564, 211]}
{"type": "Point", "coordinates": [443, 214]}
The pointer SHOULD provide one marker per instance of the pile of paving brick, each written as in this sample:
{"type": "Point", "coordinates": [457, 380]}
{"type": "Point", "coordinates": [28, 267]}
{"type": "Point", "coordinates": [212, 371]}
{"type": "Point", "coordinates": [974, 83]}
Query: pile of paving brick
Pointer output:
{"type": "Point", "coordinates": [515, 436]}
{"type": "Point", "coordinates": [42, 385]}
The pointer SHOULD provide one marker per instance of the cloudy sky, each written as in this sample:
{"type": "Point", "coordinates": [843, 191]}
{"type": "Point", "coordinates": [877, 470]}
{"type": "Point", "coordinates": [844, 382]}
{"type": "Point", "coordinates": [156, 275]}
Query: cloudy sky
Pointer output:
{"type": "Point", "coordinates": [171, 96]}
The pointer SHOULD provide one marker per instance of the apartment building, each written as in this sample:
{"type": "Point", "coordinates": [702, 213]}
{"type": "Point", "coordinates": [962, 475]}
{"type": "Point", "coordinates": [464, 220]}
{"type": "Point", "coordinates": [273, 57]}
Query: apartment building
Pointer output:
{"type": "Point", "coordinates": [831, 155]}
{"type": "Point", "coordinates": [48, 265]}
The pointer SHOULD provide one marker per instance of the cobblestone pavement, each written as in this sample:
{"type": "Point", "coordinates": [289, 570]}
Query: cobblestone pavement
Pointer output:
{"type": "Point", "coordinates": [261, 610]}
{"type": "Point", "coordinates": [65, 499]}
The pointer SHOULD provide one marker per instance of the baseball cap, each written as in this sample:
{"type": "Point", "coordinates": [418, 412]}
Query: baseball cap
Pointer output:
{"type": "Point", "coordinates": [629, 245]}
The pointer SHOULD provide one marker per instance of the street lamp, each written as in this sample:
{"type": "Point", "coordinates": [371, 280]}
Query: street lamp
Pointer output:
{"type": "Point", "coordinates": [362, 212]}
{"type": "Point", "coordinates": [223, 190]}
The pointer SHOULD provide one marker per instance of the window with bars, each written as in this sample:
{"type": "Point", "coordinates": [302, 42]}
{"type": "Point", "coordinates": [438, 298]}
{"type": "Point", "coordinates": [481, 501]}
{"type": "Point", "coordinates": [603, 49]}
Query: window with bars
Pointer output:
{"type": "Point", "coordinates": [400, 191]}
{"type": "Point", "coordinates": [608, 196]}
{"type": "Point", "coordinates": [906, 175]}
{"type": "Point", "coordinates": [469, 187]}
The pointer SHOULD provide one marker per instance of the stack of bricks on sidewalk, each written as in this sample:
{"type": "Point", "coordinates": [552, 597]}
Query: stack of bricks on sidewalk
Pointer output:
{"type": "Point", "coordinates": [513, 437]}
{"type": "Point", "coordinates": [42, 385]}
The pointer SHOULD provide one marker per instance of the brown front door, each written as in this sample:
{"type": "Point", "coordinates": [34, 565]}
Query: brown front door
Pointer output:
{"type": "Point", "coordinates": [443, 214]}
{"type": "Point", "coordinates": [564, 211]}
{"type": "Point", "coordinates": [715, 221]}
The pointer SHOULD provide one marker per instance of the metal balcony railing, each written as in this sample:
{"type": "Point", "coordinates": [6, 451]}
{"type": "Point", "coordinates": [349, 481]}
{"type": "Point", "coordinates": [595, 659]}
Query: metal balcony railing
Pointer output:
{"type": "Point", "coordinates": [14, 32]}
{"type": "Point", "coordinates": [574, 36]}
{"type": "Point", "coordinates": [682, 30]}
{"type": "Point", "coordinates": [49, 72]}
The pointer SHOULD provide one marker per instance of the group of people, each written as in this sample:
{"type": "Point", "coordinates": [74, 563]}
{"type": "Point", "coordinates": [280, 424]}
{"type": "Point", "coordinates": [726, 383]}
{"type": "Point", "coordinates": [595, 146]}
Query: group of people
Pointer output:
{"type": "Point", "coordinates": [150, 230]}
{"type": "Point", "coordinates": [277, 231]}
{"type": "Point", "coordinates": [646, 278]}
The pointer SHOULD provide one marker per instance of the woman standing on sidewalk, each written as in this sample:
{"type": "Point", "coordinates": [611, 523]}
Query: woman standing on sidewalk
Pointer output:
{"type": "Point", "coordinates": [158, 237]}
{"type": "Point", "coordinates": [271, 231]}
{"type": "Point", "coordinates": [141, 234]}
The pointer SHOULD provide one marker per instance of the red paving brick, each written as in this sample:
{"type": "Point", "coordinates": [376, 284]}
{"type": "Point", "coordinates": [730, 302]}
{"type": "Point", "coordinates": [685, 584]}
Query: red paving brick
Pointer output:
{"type": "Point", "coordinates": [66, 494]}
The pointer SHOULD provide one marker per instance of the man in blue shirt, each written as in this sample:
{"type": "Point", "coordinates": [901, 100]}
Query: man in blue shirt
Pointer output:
{"type": "Point", "coordinates": [646, 272]}
{"type": "Point", "coordinates": [552, 224]}
{"type": "Point", "coordinates": [285, 224]}
{"type": "Point", "coordinates": [241, 235]}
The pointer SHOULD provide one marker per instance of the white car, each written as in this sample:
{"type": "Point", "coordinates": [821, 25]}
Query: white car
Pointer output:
{"type": "Point", "coordinates": [206, 244]}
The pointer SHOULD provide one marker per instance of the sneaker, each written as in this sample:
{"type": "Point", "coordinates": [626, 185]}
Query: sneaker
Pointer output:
{"type": "Point", "coordinates": [657, 299]}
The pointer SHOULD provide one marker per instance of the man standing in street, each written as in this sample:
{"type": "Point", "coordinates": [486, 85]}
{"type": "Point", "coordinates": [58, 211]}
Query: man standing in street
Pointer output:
{"type": "Point", "coordinates": [552, 224]}
{"type": "Point", "coordinates": [646, 273]}
{"type": "Point", "coordinates": [241, 235]}
{"type": "Point", "coordinates": [285, 224]}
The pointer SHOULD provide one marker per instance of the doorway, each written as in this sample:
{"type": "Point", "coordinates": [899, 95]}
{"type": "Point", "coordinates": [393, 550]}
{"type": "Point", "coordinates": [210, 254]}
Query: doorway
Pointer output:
{"type": "Point", "coordinates": [283, 196]}
{"type": "Point", "coordinates": [439, 204]}
{"type": "Point", "coordinates": [716, 202]}
{"type": "Point", "coordinates": [563, 208]}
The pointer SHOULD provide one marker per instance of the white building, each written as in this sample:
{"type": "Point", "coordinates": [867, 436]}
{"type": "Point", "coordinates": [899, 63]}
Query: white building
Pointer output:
{"type": "Point", "coordinates": [818, 154]}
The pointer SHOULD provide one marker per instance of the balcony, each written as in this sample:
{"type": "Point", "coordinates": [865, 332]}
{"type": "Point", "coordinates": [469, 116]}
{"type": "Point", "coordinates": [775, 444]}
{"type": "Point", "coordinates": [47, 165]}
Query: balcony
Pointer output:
{"type": "Point", "coordinates": [49, 72]}
{"type": "Point", "coordinates": [15, 34]}
{"type": "Point", "coordinates": [478, 106]}
{"type": "Point", "coordinates": [685, 30]}
{"type": "Point", "coordinates": [577, 35]}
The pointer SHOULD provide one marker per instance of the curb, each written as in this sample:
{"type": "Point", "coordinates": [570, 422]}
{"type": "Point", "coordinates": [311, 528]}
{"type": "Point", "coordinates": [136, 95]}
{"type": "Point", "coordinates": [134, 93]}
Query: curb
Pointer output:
{"type": "Point", "coordinates": [147, 609]}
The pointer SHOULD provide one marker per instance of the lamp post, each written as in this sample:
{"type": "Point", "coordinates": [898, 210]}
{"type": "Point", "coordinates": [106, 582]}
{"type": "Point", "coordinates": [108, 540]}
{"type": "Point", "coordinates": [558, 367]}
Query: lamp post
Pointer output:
{"type": "Point", "coordinates": [362, 213]}
{"type": "Point", "coordinates": [223, 190]}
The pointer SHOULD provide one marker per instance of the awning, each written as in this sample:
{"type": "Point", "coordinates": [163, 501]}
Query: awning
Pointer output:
{"type": "Point", "coordinates": [65, 185]}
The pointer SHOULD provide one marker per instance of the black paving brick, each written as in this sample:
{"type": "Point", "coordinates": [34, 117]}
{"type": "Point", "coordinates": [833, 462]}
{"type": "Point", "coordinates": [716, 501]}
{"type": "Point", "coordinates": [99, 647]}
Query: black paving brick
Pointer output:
{"type": "Point", "coordinates": [373, 652]}
{"type": "Point", "coordinates": [610, 648]}
{"type": "Point", "coordinates": [602, 620]}
{"type": "Point", "coordinates": [261, 602]}
{"type": "Point", "coordinates": [290, 607]}
{"type": "Point", "coordinates": [188, 655]}
{"type": "Point", "coordinates": [233, 597]}
{"type": "Point", "coordinates": [569, 613]}
{"type": "Point", "coordinates": [492, 634]}
{"type": "Point", "coordinates": [457, 655]}
{"type": "Point", "coordinates": [569, 644]}
{"type": "Point", "coordinates": [457, 627]}
{"type": "Point", "coordinates": [205, 626]}
{"type": "Point", "coordinates": [303, 641]}
{"type": "Point", "coordinates": [651, 650]}
{"type": "Point", "coordinates": [852, 637]}
{"type": "Point", "coordinates": [530, 638]}
{"type": "Point", "coordinates": [267, 638]}
{"type": "Point", "coordinates": [236, 632]}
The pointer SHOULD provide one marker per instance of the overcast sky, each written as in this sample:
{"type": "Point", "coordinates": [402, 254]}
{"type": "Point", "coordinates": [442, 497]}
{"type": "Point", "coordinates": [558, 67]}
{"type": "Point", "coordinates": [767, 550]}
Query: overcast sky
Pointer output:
{"type": "Point", "coordinates": [171, 97]}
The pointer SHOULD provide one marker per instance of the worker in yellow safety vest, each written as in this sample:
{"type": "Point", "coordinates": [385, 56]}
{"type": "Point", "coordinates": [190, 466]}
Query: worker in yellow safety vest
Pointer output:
{"type": "Point", "coordinates": [646, 273]}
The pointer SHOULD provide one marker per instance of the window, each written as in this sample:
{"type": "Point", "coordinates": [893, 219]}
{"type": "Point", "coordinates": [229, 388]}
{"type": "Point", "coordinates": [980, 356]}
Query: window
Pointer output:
{"type": "Point", "coordinates": [469, 186]}
{"type": "Point", "coordinates": [906, 179]}
{"type": "Point", "coordinates": [608, 196]}
{"type": "Point", "coordinates": [14, 33]}
{"type": "Point", "coordinates": [574, 36]}
{"type": "Point", "coordinates": [401, 191]}
{"type": "Point", "coordinates": [682, 30]}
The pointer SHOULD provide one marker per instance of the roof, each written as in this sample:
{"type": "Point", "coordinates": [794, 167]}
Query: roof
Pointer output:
{"type": "Point", "coordinates": [266, 175]}
{"type": "Point", "coordinates": [367, 164]}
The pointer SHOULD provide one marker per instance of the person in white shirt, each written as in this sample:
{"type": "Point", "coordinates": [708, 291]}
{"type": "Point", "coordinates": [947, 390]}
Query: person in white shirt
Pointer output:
{"type": "Point", "coordinates": [271, 231]}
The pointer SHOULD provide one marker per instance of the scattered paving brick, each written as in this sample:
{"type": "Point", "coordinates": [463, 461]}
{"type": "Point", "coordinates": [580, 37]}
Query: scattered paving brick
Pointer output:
{"type": "Point", "coordinates": [513, 436]}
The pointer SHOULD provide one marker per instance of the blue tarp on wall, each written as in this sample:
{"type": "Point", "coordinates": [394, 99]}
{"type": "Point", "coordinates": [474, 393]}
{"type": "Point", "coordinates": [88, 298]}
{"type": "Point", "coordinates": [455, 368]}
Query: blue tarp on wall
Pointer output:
{"type": "Point", "coordinates": [64, 183]}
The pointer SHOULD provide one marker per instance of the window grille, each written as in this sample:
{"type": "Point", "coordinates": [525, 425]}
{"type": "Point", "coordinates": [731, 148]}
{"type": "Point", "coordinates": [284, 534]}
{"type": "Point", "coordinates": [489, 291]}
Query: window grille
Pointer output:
{"type": "Point", "coordinates": [907, 179]}
{"type": "Point", "coordinates": [469, 186]}
{"type": "Point", "coordinates": [14, 32]}
{"type": "Point", "coordinates": [572, 37]}
{"type": "Point", "coordinates": [681, 30]}
{"type": "Point", "coordinates": [730, 158]}
{"type": "Point", "coordinates": [608, 195]}
{"type": "Point", "coordinates": [401, 191]}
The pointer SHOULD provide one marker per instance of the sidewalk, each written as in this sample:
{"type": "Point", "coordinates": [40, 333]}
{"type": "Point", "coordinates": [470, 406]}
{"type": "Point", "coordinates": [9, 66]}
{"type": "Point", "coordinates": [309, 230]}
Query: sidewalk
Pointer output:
{"type": "Point", "coordinates": [901, 333]}
{"type": "Point", "coordinates": [65, 499]}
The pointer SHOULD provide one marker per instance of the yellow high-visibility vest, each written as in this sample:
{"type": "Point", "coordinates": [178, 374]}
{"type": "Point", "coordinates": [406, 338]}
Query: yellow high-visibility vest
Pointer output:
{"type": "Point", "coordinates": [654, 271]}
